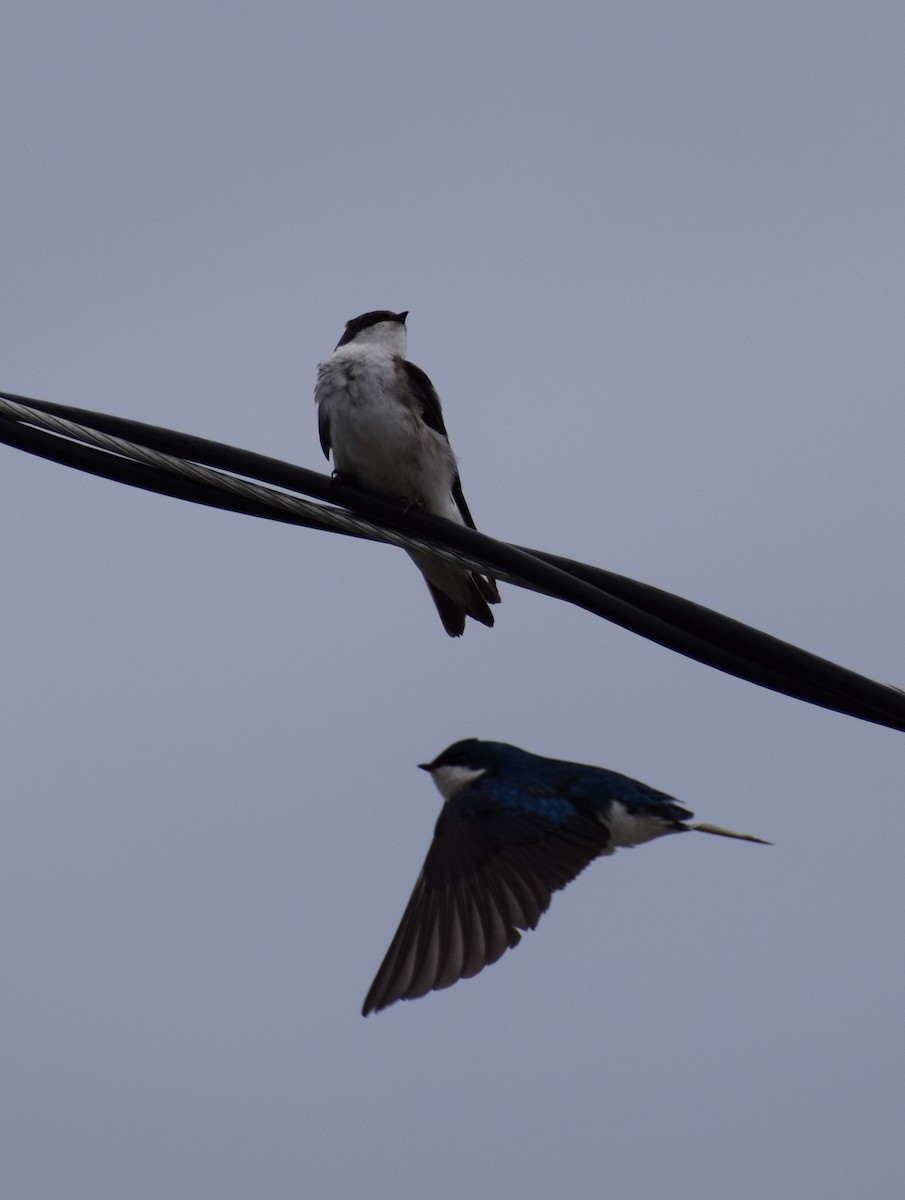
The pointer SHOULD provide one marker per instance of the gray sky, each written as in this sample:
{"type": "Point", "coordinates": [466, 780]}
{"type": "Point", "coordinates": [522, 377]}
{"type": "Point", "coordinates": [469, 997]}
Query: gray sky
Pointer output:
{"type": "Point", "coordinates": [653, 254]}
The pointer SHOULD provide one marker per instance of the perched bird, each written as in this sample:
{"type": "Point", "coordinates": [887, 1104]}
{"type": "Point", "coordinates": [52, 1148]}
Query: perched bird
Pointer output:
{"type": "Point", "coordinates": [381, 418]}
{"type": "Point", "coordinates": [514, 828]}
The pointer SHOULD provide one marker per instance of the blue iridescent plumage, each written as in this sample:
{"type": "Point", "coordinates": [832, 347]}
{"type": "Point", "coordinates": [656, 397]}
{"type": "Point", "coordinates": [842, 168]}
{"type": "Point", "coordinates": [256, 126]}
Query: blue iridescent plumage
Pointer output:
{"type": "Point", "coordinates": [514, 828]}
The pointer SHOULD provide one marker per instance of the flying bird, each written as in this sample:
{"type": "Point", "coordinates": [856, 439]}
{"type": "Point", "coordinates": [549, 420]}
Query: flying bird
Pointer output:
{"type": "Point", "coordinates": [380, 416]}
{"type": "Point", "coordinates": [514, 828]}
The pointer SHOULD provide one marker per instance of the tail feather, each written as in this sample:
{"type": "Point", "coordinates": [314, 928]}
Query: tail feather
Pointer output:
{"type": "Point", "coordinates": [453, 614]}
{"type": "Point", "coordinates": [457, 592]}
{"type": "Point", "coordinates": [487, 587]}
{"type": "Point", "coordinates": [742, 837]}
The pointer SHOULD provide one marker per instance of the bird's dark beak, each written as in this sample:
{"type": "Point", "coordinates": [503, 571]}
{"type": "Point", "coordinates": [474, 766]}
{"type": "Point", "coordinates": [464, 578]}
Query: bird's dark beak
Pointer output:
{"type": "Point", "coordinates": [424, 766]}
{"type": "Point", "coordinates": [402, 317]}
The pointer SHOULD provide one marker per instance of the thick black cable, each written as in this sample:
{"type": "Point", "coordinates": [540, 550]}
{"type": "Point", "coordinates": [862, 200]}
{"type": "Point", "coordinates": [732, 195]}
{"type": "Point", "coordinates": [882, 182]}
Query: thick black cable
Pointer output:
{"type": "Point", "coordinates": [151, 479]}
{"type": "Point", "coordinates": [678, 624]}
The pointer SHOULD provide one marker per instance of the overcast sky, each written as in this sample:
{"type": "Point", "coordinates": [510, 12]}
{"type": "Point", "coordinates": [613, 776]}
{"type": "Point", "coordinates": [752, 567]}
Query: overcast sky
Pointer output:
{"type": "Point", "coordinates": [654, 259]}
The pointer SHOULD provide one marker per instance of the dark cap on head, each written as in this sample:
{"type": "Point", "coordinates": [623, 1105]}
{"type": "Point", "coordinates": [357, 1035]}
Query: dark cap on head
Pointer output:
{"type": "Point", "coordinates": [366, 320]}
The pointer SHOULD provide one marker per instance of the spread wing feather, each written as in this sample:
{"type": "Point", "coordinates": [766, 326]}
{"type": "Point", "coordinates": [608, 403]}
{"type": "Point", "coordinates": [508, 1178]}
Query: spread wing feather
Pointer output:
{"type": "Point", "coordinates": [488, 874]}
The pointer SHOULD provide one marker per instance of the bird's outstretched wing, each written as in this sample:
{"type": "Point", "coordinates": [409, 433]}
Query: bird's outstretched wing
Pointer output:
{"type": "Point", "coordinates": [489, 873]}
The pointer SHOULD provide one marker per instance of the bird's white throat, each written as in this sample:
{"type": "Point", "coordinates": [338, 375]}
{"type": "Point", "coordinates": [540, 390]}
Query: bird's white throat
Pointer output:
{"type": "Point", "coordinates": [452, 779]}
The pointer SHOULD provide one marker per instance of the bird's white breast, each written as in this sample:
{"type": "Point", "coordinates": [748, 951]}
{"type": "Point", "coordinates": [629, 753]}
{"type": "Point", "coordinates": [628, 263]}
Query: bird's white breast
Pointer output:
{"type": "Point", "coordinates": [378, 437]}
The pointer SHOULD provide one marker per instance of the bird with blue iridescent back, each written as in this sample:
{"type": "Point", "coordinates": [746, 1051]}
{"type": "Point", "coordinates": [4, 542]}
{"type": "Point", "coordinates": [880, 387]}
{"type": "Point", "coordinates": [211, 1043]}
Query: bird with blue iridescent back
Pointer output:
{"type": "Point", "coordinates": [514, 828]}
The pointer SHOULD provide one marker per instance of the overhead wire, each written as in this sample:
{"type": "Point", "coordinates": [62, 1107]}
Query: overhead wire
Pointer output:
{"type": "Point", "coordinates": [217, 475]}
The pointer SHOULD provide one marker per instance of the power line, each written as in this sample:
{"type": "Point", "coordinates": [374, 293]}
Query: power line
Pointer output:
{"type": "Point", "coordinates": [221, 476]}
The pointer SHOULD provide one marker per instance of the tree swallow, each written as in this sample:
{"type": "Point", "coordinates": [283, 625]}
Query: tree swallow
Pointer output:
{"type": "Point", "coordinates": [514, 828]}
{"type": "Point", "coordinates": [381, 417]}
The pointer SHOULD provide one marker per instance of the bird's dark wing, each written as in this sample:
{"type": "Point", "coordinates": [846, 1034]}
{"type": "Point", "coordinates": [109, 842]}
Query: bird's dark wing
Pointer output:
{"type": "Point", "coordinates": [462, 506]}
{"type": "Point", "coordinates": [323, 429]}
{"type": "Point", "coordinates": [426, 395]}
{"type": "Point", "coordinates": [489, 872]}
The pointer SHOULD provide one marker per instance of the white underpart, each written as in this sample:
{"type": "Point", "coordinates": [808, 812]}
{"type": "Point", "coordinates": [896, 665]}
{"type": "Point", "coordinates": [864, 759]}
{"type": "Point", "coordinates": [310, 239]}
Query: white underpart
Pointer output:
{"type": "Point", "coordinates": [378, 438]}
{"type": "Point", "coordinates": [382, 442]}
{"type": "Point", "coordinates": [631, 829]}
{"type": "Point", "coordinates": [450, 780]}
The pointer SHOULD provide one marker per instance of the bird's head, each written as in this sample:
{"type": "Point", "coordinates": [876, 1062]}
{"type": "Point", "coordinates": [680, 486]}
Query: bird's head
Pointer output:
{"type": "Point", "coordinates": [465, 761]}
{"type": "Point", "coordinates": [380, 328]}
